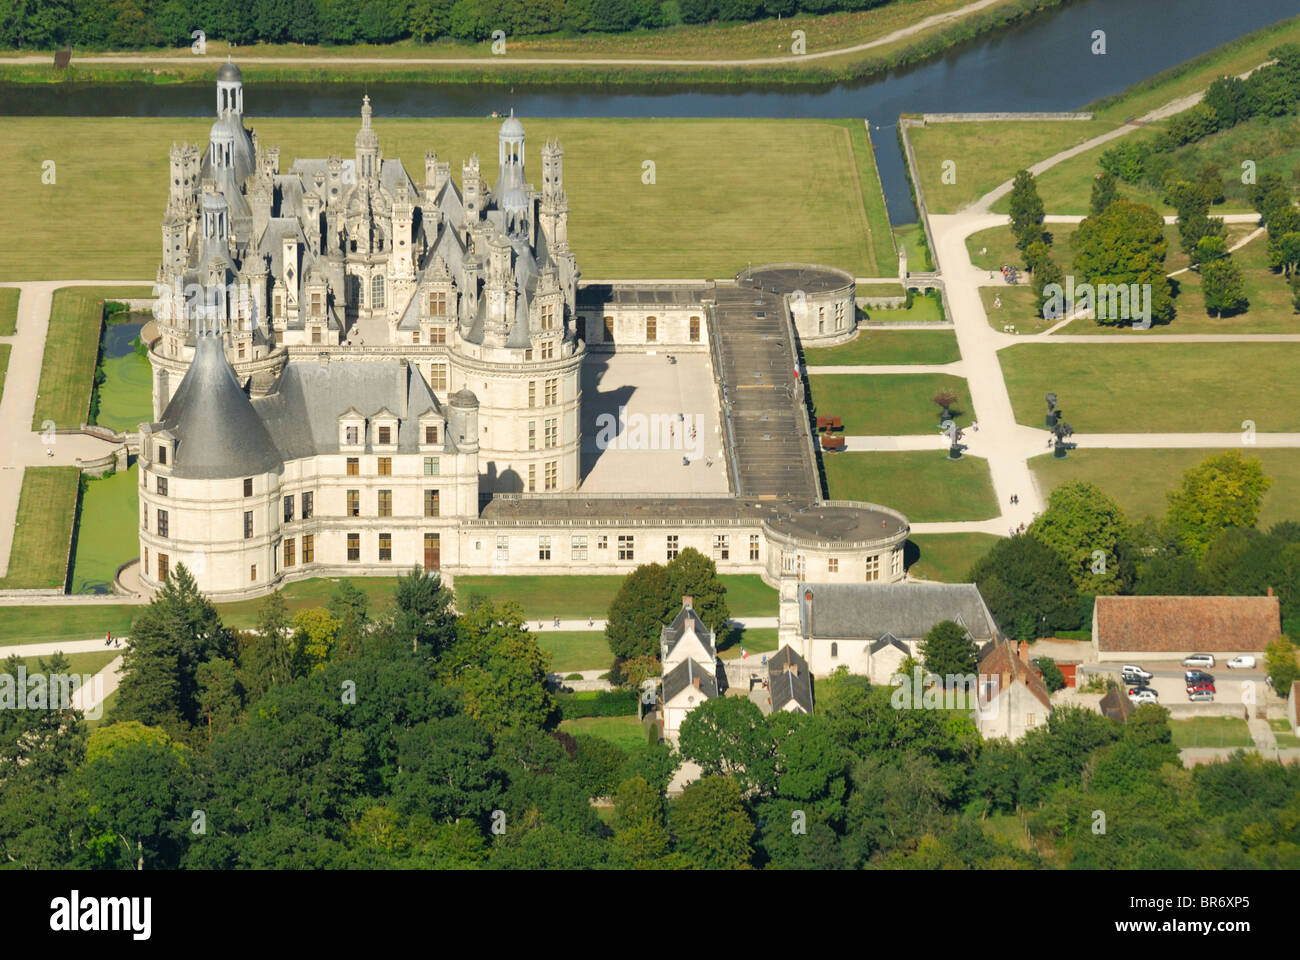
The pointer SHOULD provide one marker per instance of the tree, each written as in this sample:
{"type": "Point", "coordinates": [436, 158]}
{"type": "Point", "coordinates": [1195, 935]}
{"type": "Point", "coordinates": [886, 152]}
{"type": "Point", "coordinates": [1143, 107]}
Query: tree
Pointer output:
{"type": "Point", "coordinates": [1079, 521]}
{"type": "Point", "coordinates": [1223, 287]}
{"type": "Point", "coordinates": [1026, 210]}
{"type": "Point", "coordinates": [1125, 244]}
{"type": "Point", "coordinates": [1044, 273]}
{"type": "Point", "coordinates": [1280, 665]}
{"type": "Point", "coordinates": [692, 574]}
{"type": "Point", "coordinates": [710, 827]}
{"type": "Point", "coordinates": [135, 802]}
{"type": "Point", "coordinates": [638, 611]}
{"type": "Point", "coordinates": [220, 696]}
{"type": "Point", "coordinates": [945, 400]}
{"type": "Point", "coordinates": [1052, 675]}
{"type": "Point", "coordinates": [1224, 490]}
{"type": "Point", "coordinates": [1027, 586]}
{"type": "Point", "coordinates": [501, 670]}
{"type": "Point", "coordinates": [1295, 291]}
{"type": "Point", "coordinates": [1210, 248]}
{"type": "Point", "coordinates": [314, 634]}
{"type": "Point", "coordinates": [1103, 192]}
{"type": "Point", "coordinates": [424, 612]}
{"type": "Point", "coordinates": [639, 833]}
{"type": "Point", "coordinates": [266, 658]}
{"type": "Point", "coordinates": [727, 735]}
{"type": "Point", "coordinates": [445, 770]}
{"type": "Point", "coordinates": [948, 650]}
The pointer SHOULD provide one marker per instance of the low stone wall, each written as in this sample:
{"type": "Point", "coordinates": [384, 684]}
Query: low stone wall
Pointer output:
{"type": "Point", "coordinates": [26, 594]}
{"type": "Point", "coordinates": [981, 117]}
{"type": "Point", "coordinates": [882, 303]}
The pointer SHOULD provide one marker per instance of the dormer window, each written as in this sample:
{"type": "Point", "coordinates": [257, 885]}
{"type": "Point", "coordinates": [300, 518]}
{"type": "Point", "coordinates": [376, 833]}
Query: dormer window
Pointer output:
{"type": "Point", "coordinates": [437, 303]}
{"type": "Point", "coordinates": [162, 454]}
{"type": "Point", "coordinates": [352, 435]}
{"type": "Point", "coordinates": [385, 435]}
{"type": "Point", "coordinates": [431, 433]}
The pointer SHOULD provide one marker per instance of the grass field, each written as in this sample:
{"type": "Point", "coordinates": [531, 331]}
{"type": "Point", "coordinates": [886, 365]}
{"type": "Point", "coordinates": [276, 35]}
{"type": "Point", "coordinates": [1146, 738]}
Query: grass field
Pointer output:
{"type": "Point", "coordinates": [310, 593]}
{"type": "Point", "coordinates": [39, 624]}
{"type": "Point", "coordinates": [1286, 739]}
{"type": "Point", "coordinates": [573, 650]}
{"type": "Point", "coordinates": [1014, 309]}
{"type": "Point", "coordinates": [926, 486]}
{"type": "Point", "coordinates": [574, 597]}
{"type": "Point", "coordinates": [619, 226]}
{"type": "Point", "coordinates": [1210, 732]}
{"type": "Point", "coordinates": [624, 732]}
{"type": "Point", "coordinates": [873, 346]}
{"type": "Point", "coordinates": [5, 350]}
{"type": "Point", "coordinates": [126, 395]}
{"type": "Point", "coordinates": [91, 663]}
{"type": "Point", "coordinates": [1139, 479]}
{"type": "Point", "coordinates": [8, 311]}
{"type": "Point", "coordinates": [1107, 387]}
{"type": "Point", "coordinates": [888, 404]}
{"type": "Point", "coordinates": [946, 557]}
{"type": "Point", "coordinates": [988, 153]}
{"type": "Point", "coordinates": [756, 640]}
{"type": "Point", "coordinates": [106, 535]}
{"type": "Point", "coordinates": [43, 531]}
{"type": "Point", "coordinates": [911, 237]}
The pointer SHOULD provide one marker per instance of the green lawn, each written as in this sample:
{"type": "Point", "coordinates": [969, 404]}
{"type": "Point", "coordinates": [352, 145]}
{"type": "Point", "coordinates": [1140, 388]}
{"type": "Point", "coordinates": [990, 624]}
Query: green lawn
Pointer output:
{"type": "Point", "coordinates": [619, 227]}
{"type": "Point", "coordinates": [126, 395]}
{"type": "Point", "coordinates": [926, 486]}
{"type": "Point", "coordinates": [315, 592]}
{"type": "Point", "coordinates": [1210, 732]}
{"type": "Point", "coordinates": [574, 597]}
{"type": "Point", "coordinates": [988, 153]}
{"type": "Point", "coordinates": [43, 532]}
{"type": "Point", "coordinates": [624, 732]}
{"type": "Point", "coordinates": [573, 650]}
{"type": "Point", "coordinates": [8, 311]}
{"type": "Point", "coordinates": [873, 346]}
{"type": "Point", "coordinates": [63, 622]}
{"type": "Point", "coordinates": [91, 663]}
{"type": "Point", "coordinates": [946, 557]}
{"type": "Point", "coordinates": [911, 237]}
{"type": "Point", "coordinates": [1014, 309]}
{"type": "Point", "coordinates": [756, 640]}
{"type": "Point", "coordinates": [1109, 387]}
{"type": "Point", "coordinates": [1286, 739]}
{"type": "Point", "coordinates": [888, 404]}
{"type": "Point", "coordinates": [1139, 479]}
{"type": "Point", "coordinates": [107, 535]}
{"type": "Point", "coordinates": [4, 365]}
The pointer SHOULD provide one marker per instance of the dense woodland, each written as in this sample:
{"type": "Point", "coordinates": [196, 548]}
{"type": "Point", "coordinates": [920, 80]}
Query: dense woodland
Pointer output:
{"type": "Point", "coordinates": [169, 23]}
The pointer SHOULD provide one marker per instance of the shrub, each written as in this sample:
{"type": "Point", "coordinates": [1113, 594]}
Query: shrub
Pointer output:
{"type": "Point", "coordinates": [611, 703]}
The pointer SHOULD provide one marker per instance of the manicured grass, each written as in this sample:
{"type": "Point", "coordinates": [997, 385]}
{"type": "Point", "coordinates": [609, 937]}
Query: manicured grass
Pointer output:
{"type": "Point", "coordinates": [575, 597]}
{"type": "Point", "coordinates": [107, 535]}
{"type": "Point", "coordinates": [91, 663]}
{"type": "Point", "coordinates": [756, 640]}
{"type": "Point", "coordinates": [925, 485]}
{"type": "Point", "coordinates": [1111, 387]}
{"type": "Point", "coordinates": [310, 593]}
{"type": "Point", "coordinates": [911, 237]}
{"type": "Point", "coordinates": [888, 404]}
{"type": "Point", "coordinates": [880, 290]}
{"type": "Point", "coordinates": [624, 732]}
{"type": "Point", "coordinates": [1286, 739]}
{"type": "Point", "coordinates": [1210, 732]}
{"type": "Point", "coordinates": [8, 311]}
{"type": "Point", "coordinates": [988, 153]}
{"type": "Point", "coordinates": [882, 258]}
{"type": "Point", "coordinates": [573, 650]}
{"type": "Point", "coordinates": [105, 712]}
{"type": "Point", "coordinates": [63, 622]}
{"type": "Point", "coordinates": [4, 365]}
{"type": "Point", "coordinates": [1014, 309]}
{"type": "Point", "coordinates": [1139, 479]}
{"type": "Point", "coordinates": [1270, 310]}
{"type": "Point", "coordinates": [126, 395]}
{"type": "Point", "coordinates": [946, 557]}
{"type": "Point", "coordinates": [43, 531]}
{"type": "Point", "coordinates": [999, 246]}
{"type": "Point", "coordinates": [873, 346]}
{"type": "Point", "coordinates": [619, 227]}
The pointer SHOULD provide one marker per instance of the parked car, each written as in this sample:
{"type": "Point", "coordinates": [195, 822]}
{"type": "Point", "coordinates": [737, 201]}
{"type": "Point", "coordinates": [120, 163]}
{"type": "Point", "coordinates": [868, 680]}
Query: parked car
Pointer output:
{"type": "Point", "coordinates": [1201, 696]}
{"type": "Point", "coordinates": [1198, 676]}
{"type": "Point", "coordinates": [1244, 662]}
{"type": "Point", "coordinates": [1143, 695]}
{"type": "Point", "coordinates": [1133, 670]}
{"type": "Point", "coordinates": [1200, 688]}
{"type": "Point", "coordinates": [1199, 660]}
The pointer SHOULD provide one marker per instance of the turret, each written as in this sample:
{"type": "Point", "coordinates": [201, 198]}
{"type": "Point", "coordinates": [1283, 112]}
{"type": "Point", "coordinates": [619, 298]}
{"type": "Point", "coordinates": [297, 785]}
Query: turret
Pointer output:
{"type": "Point", "coordinates": [367, 144]}
{"type": "Point", "coordinates": [230, 91]}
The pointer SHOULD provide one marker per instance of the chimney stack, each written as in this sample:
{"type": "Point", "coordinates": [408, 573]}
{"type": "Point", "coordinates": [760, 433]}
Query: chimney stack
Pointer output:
{"type": "Point", "coordinates": [688, 603]}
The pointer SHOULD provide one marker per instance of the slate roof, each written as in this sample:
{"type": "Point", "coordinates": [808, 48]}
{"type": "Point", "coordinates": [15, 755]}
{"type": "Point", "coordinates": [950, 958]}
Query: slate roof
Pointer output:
{"type": "Point", "coordinates": [1116, 705]}
{"type": "Point", "coordinates": [1186, 624]}
{"type": "Point", "coordinates": [1003, 662]}
{"type": "Point", "coordinates": [218, 433]}
{"type": "Point", "coordinates": [789, 679]}
{"type": "Point", "coordinates": [673, 632]}
{"type": "Point", "coordinates": [684, 675]}
{"type": "Point", "coordinates": [868, 611]}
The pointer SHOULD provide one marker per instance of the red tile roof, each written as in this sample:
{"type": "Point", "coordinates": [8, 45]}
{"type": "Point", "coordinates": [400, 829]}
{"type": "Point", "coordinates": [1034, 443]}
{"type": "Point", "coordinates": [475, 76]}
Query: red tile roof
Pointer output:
{"type": "Point", "coordinates": [1004, 663]}
{"type": "Point", "coordinates": [1186, 624]}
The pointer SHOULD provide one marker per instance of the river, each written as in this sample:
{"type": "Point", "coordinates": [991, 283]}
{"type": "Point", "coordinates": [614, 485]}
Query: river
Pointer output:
{"type": "Point", "coordinates": [1043, 64]}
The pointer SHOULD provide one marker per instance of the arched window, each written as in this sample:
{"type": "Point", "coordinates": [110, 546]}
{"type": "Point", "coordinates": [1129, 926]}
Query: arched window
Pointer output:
{"type": "Point", "coordinates": [835, 649]}
{"type": "Point", "coordinates": [377, 293]}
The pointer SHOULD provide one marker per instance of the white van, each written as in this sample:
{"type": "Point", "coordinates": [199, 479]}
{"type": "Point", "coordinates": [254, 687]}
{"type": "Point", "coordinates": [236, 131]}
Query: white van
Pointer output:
{"type": "Point", "coordinates": [1199, 660]}
{"type": "Point", "coordinates": [1243, 662]}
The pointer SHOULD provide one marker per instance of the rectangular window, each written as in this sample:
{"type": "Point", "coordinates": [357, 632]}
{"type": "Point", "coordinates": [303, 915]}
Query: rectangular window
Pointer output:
{"type": "Point", "coordinates": [695, 329]}
{"type": "Point", "coordinates": [431, 465]}
{"type": "Point", "coordinates": [162, 486]}
{"type": "Point", "coordinates": [873, 568]}
{"type": "Point", "coordinates": [279, 304]}
{"type": "Point", "coordinates": [431, 433]}
{"type": "Point", "coordinates": [437, 303]}
{"type": "Point", "coordinates": [315, 335]}
{"type": "Point", "coordinates": [753, 546]}
{"type": "Point", "coordinates": [162, 454]}
{"type": "Point", "coordinates": [602, 542]}
{"type": "Point", "coordinates": [317, 303]}
{"type": "Point", "coordinates": [252, 571]}
{"type": "Point", "coordinates": [309, 548]}
{"type": "Point", "coordinates": [354, 503]}
{"type": "Point", "coordinates": [551, 473]}
{"type": "Point", "coordinates": [354, 466]}
{"type": "Point", "coordinates": [552, 432]}
{"type": "Point", "coordinates": [164, 568]}
{"type": "Point", "coordinates": [438, 376]}
{"type": "Point", "coordinates": [897, 563]}
{"type": "Point", "coordinates": [248, 524]}
{"type": "Point", "coordinates": [833, 565]}
{"type": "Point", "coordinates": [578, 548]}
{"type": "Point", "coordinates": [240, 353]}
{"type": "Point", "coordinates": [651, 329]}
{"type": "Point", "coordinates": [352, 435]}
{"type": "Point", "coordinates": [503, 548]}
{"type": "Point", "coordinates": [580, 328]}
{"type": "Point", "coordinates": [548, 316]}
{"type": "Point", "coordinates": [385, 466]}
{"type": "Point", "coordinates": [248, 486]}
{"type": "Point", "coordinates": [290, 551]}
{"type": "Point", "coordinates": [385, 506]}
{"type": "Point", "coordinates": [432, 507]}
{"type": "Point", "coordinates": [609, 329]}
{"type": "Point", "coordinates": [377, 293]}
{"type": "Point", "coordinates": [306, 506]}
{"type": "Point", "coordinates": [674, 546]}
{"type": "Point", "coordinates": [354, 547]}
{"type": "Point", "coordinates": [532, 434]}
{"type": "Point", "coordinates": [528, 355]}
{"type": "Point", "coordinates": [721, 546]}
{"type": "Point", "coordinates": [552, 392]}
{"type": "Point", "coordinates": [626, 546]}
{"type": "Point", "coordinates": [415, 336]}
{"type": "Point", "coordinates": [548, 350]}
{"type": "Point", "coordinates": [532, 478]}
{"type": "Point", "coordinates": [432, 551]}
{"type": "Point", "coordinates": [162, 523]}
{"type": "Point", "coordinates": [288, 508]}
{"type": "Point", "coordinates": [385, 435]}
{"type": "Point", "coordinates": [532, 393]}
{"type": "Point", "coordinates": [385, 547]}
{"type": "Point", "coordinates": [438, 335]}
{"type": "Point", "coordinates": [543, 548]}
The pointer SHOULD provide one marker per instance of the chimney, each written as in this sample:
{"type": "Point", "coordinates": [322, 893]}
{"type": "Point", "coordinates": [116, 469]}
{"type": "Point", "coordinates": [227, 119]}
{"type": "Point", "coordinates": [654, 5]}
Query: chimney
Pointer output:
{"type": "Point", "coordinates": [1022, 650]}
{"type": "Point", "coordinates": [793, 668]}
{"type": "Point", "coordinates": [807, 599]}
{"type": "Point", "coordinates": [1270, 591]}
{"type": "Point", "coordinates": [688, 603]}
{"type": "Point", "coordinates": [696, 681]}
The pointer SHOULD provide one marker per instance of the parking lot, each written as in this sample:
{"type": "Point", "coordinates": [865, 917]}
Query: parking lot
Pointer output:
{"type": "Point", "coordinates": [1232, 687]}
